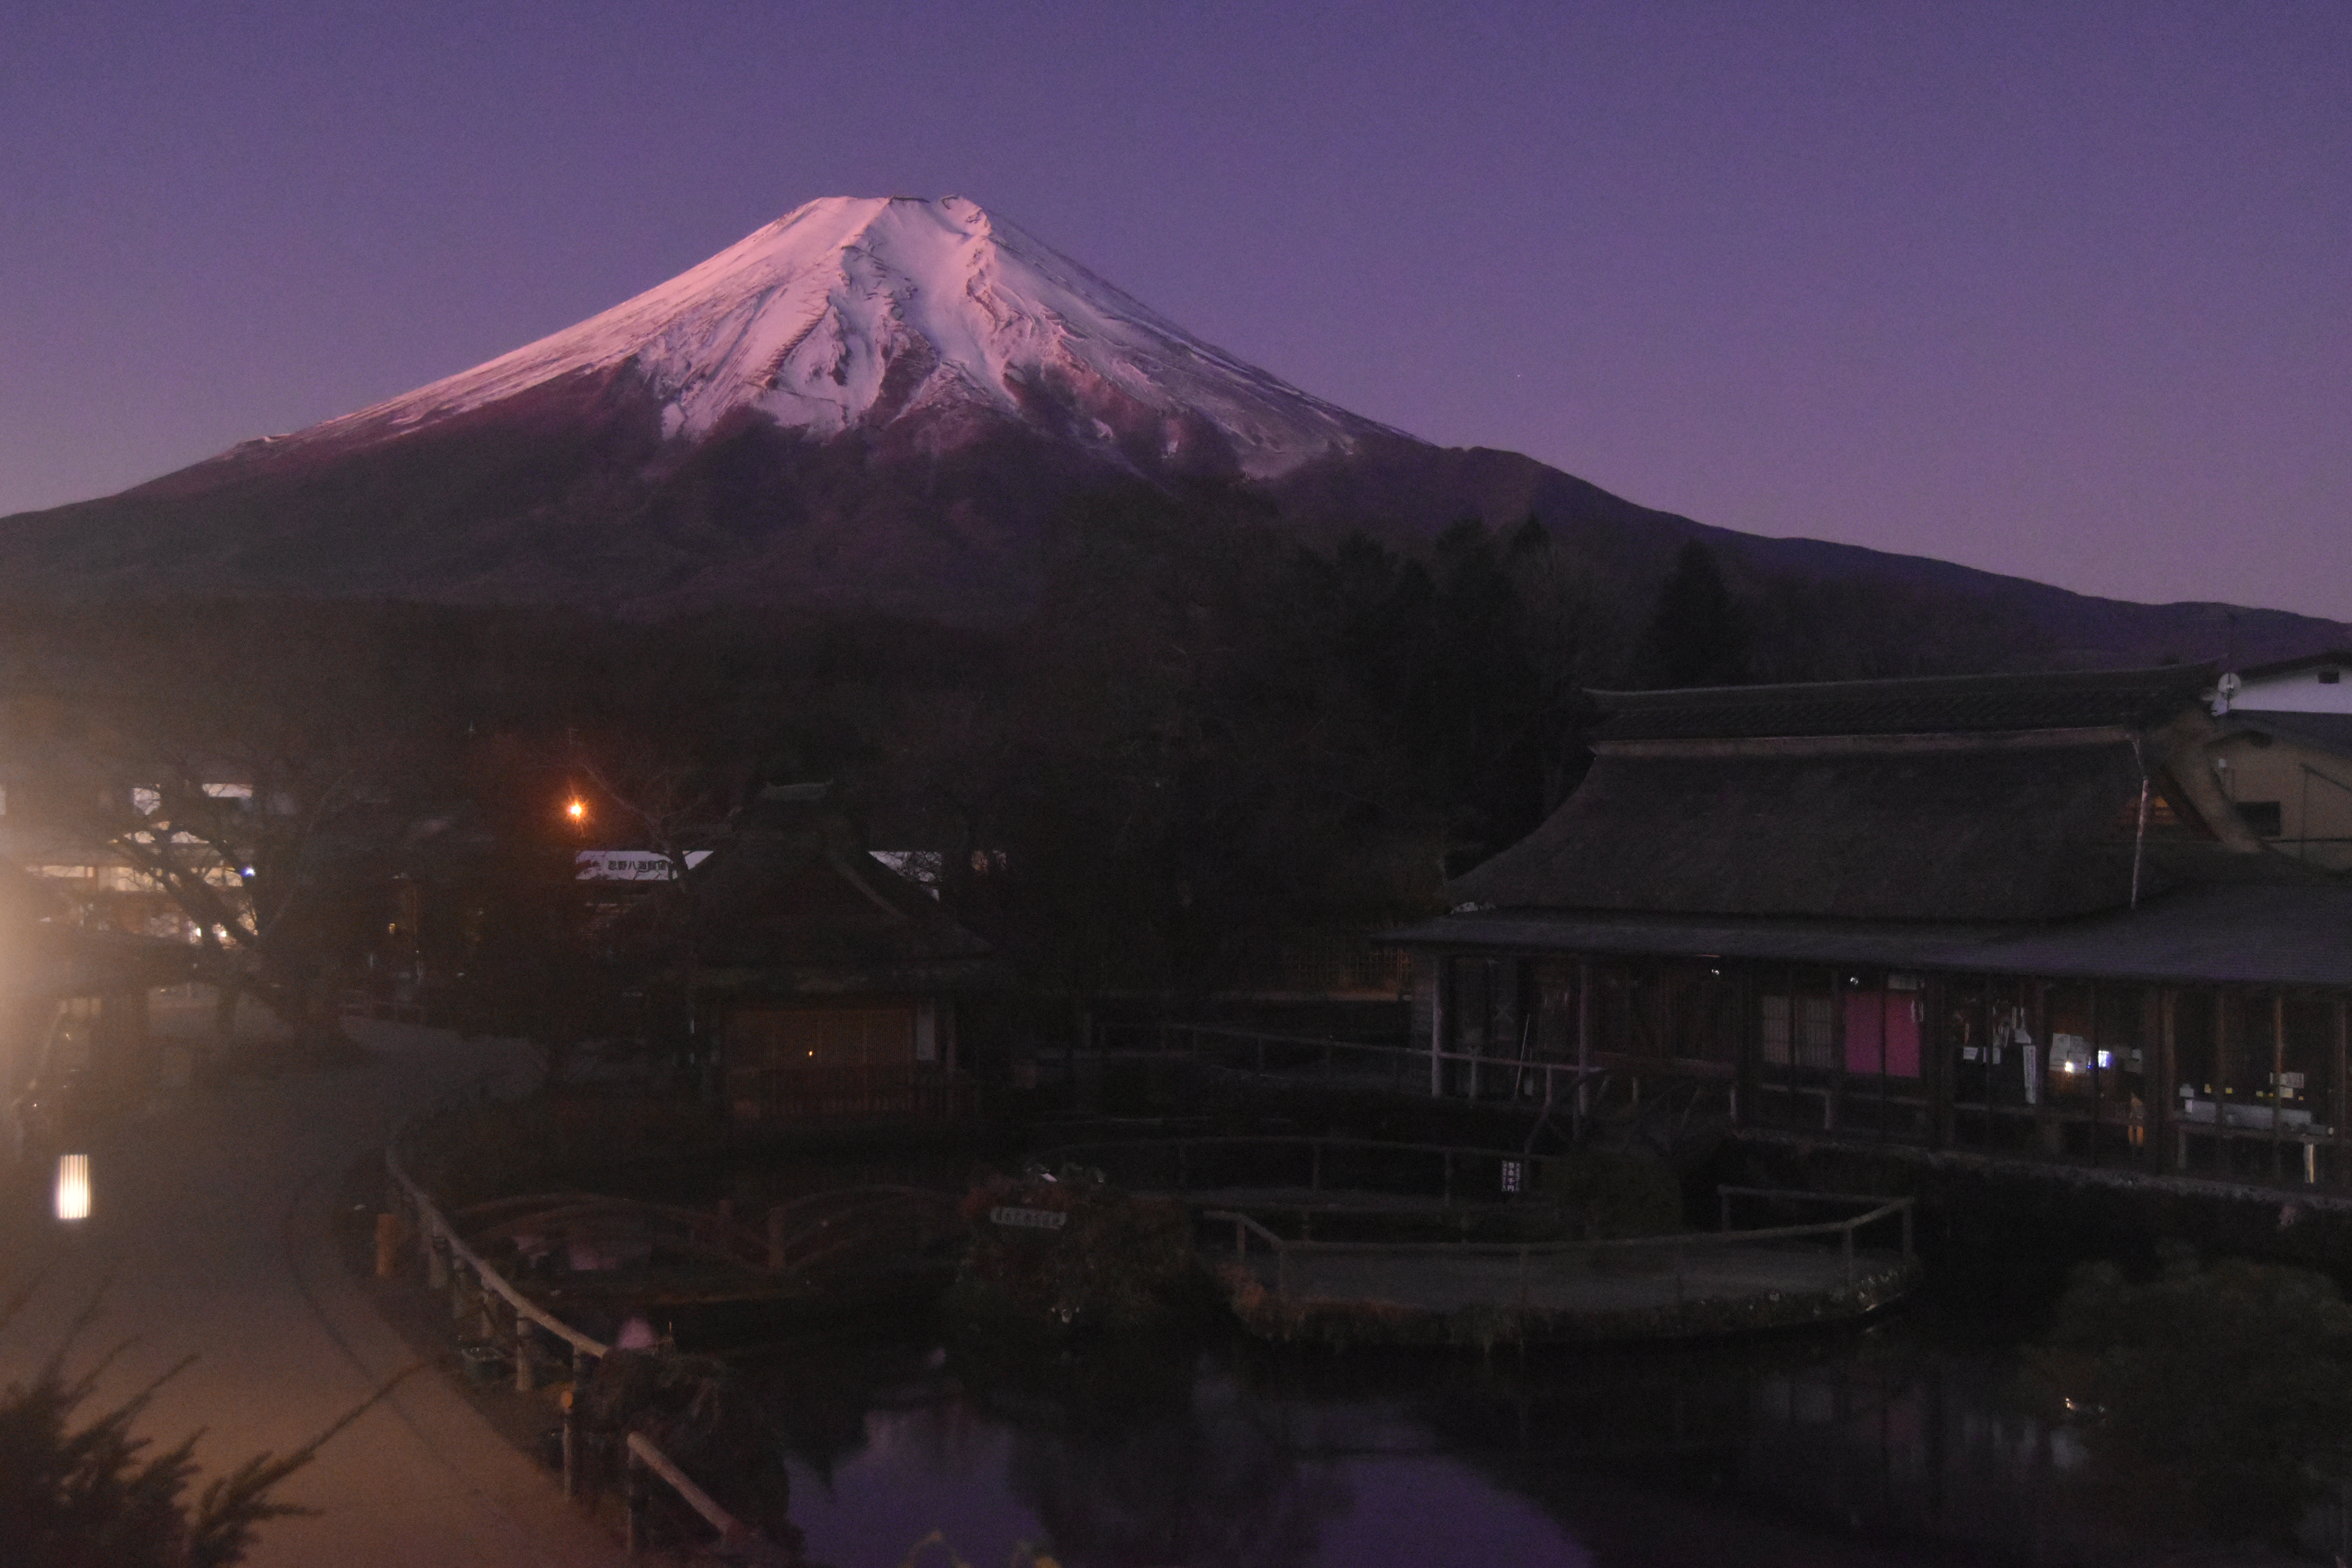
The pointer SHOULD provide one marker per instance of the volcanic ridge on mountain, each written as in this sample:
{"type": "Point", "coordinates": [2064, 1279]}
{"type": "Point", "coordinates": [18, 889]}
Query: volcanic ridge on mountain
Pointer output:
{"type": "Point", "coordinates": [884, 403]}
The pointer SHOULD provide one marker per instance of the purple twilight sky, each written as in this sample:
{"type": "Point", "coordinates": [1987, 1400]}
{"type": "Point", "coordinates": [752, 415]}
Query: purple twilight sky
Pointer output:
{"type": "Point", "coordinates": [2060, 289]}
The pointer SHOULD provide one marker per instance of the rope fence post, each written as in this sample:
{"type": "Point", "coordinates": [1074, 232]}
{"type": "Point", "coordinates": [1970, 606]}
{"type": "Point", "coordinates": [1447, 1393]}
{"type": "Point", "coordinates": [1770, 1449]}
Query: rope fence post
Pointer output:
{"type": "Point", "coordinates": [569, 1405]}
{"type": "Point", "coordinates": [634, 1499]}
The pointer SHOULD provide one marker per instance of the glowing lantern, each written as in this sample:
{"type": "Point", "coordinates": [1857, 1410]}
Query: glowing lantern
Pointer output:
{"type": "Point", "coordinates": [73, 1186]}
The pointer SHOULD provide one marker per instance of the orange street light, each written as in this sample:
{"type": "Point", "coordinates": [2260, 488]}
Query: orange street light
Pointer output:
{"type": "Point", "coordinates": [575, 811]}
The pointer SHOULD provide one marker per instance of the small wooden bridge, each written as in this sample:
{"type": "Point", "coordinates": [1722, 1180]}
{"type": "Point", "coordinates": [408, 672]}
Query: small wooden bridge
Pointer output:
{"type": "Point", "coordinates": [851, 1247]}
{"type": "Point", "coordinates": [1685, 1284]}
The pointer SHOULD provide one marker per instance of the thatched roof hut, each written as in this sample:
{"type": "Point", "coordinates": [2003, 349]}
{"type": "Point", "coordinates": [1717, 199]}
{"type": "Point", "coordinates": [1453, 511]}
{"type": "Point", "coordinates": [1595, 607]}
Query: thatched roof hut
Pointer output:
{"type": "Point", "coordinates": [1977, 799]}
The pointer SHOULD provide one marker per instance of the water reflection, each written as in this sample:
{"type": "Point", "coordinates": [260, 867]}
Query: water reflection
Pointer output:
{"type": "Point", "coordinates": [1900, 1445]}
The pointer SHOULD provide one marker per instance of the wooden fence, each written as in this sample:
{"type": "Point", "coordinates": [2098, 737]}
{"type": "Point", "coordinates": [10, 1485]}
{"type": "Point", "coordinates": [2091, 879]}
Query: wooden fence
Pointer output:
{"type": "Point", "coordinates": [1678, 1244]}
{"type": "Point", "coordinates": [515, 1322]}
{"type": "Point", "coordinates": [1672, 1087]}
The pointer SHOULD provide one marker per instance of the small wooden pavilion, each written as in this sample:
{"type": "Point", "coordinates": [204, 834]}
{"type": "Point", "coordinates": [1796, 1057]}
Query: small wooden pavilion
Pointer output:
{"type": "Point", "coordinates": [2012, 913]}
{"type": "Point", "coordinates": [834, 986]}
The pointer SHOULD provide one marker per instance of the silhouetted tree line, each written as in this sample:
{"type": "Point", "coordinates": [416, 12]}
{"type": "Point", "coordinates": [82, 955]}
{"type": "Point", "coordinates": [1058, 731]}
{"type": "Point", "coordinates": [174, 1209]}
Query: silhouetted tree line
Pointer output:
{"type": "Point", "coordinates": [1205, 737]}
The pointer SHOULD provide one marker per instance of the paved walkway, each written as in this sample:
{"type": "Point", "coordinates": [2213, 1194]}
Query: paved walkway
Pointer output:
{"type": "Point", "coordinates": [212, 1226]}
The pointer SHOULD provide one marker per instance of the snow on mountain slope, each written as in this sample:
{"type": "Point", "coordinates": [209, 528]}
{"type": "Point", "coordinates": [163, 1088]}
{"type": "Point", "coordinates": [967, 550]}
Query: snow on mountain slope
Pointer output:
{"type": "Point", "coordinates": [853, 312]}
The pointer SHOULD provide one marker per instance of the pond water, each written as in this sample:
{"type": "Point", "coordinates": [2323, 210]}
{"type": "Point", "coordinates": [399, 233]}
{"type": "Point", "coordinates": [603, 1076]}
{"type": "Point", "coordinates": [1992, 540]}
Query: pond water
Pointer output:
{"type": "Point", "coordinates": [1898, 1442]}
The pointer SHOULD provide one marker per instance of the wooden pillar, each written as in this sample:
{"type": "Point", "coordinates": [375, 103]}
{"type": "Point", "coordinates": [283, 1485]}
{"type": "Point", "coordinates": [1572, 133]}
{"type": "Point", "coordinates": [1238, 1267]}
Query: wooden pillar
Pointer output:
{"type": "Point", "coordinates": [1584, 1043]}
{"type": "Point", "coordinates": [570, 1443]}
{"type": "Point", "coordinates": [387, 1244]}
{"type": "Point", "coordinates": [2098, 1079]}
{"type": "Point", "coordinates": [1792, 1069]}
{"type": "Point", "coordinates": [1884, 1109]}
{"type": "Point", "coordinates": [2045, 1130]}
{"type": "Point", "coordinates": [2173, 1156]}
{"type": "Point", "coordinates": [1833, 1099]}
{"type": "Point", "coordinates": [635, 1494]}
{"type": "Point", "coordinates": [2278, 1072]}
{"type": "Point", "coordinates": [1437, 1025]}
{"type": "Point", "coordinates": [1934, 1069]}
{"type": "Point", "coordinates": [2222, 1011]}
{"type": "Point", "coordinates": [1747, 1061]}
{"type": "Point", "coordinates": [2342, 1099]}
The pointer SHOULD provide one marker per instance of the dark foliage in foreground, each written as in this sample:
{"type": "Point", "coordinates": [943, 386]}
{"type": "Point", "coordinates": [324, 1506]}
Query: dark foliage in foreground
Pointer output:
{"type": "Point", "coordinates": [2202, 1393]}
{"type": "Point", "coordinates": [83, 1491]}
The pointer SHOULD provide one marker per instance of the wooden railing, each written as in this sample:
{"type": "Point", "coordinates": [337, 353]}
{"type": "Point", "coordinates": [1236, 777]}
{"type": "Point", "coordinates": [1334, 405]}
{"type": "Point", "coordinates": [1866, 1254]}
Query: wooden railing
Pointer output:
{"type": "Point", "coordinates": [1532, 1081]}
{"type": "Point", "coordinates": [1246, 1229]}
{"type": "Point", "coordinates": [1316, 1157]}
{"type": "Point", "coordinates": [447, 1258]}
{"type": "Point", "coordinates": [737, 1539]}
{"type": "Point", "coordinates": [852, 1091]}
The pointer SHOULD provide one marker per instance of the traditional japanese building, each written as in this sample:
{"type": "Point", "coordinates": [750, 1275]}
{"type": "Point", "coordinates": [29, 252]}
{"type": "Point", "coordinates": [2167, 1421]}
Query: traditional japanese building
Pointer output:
{"type": "Point", "coordinates": [833, 985]}
{"type": "Point", "coordinates": [2012, 913]}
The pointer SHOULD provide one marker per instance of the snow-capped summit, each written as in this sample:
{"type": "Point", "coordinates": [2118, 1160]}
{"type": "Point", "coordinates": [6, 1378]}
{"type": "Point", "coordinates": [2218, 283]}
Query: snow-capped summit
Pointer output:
{"type": "Point", "coordinates": [897, 405]}
{"type": "Point", "coordinates": [852, 313]}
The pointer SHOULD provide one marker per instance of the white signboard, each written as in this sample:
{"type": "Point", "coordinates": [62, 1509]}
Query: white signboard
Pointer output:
{"type": "Point", "coordinates": [631, 865]}
{"type": "Point", "coordinates": [1028, 1219]}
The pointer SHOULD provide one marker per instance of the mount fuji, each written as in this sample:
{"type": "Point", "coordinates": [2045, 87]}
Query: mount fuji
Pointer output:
{"type": "Point", "coordinates": [875, 404]}
{"type": "Point", "coordinates": [927, 317]}
{"type": "Point", "coordinates": [869, 402]}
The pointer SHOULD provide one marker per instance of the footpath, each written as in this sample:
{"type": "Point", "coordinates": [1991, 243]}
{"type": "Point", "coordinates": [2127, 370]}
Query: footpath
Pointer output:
{"type": "Point", "coordinates": [212, 1233]}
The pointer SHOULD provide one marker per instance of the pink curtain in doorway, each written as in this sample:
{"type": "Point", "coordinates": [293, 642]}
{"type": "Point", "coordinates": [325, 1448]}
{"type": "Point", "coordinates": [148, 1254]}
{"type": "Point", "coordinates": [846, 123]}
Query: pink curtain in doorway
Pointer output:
{"type": "Point", "coordinates": [1882, 1033]}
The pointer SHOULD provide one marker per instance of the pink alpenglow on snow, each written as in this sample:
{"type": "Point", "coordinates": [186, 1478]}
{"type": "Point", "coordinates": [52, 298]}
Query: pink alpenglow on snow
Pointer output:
{"type": "Point", "coordinates": [857, 312]}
